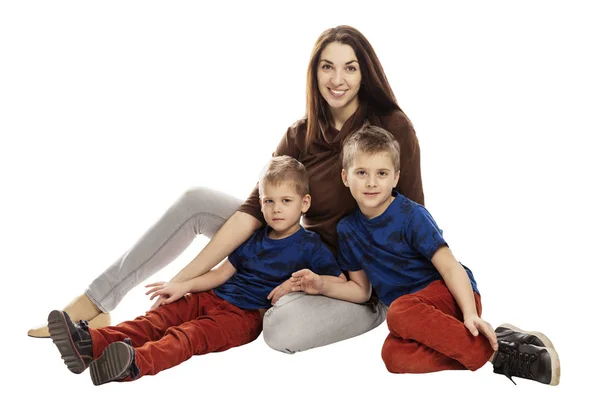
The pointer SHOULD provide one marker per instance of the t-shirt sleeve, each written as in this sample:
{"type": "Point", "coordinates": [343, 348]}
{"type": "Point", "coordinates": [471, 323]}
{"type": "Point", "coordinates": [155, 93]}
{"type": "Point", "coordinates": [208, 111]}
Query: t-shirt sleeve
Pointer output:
{"type": "Point", "coordinates": [345, 256]}
{"type": "Point", "coordinates": [286, 147]}
{"type": "Point", "coordinates": [323, 262]}
{"type": "Point", "coordinates": [410, 184]}
{"type": "Point", "coordinates": [235, 258]}
{"type": "Point", "coordinates": [423, 234]}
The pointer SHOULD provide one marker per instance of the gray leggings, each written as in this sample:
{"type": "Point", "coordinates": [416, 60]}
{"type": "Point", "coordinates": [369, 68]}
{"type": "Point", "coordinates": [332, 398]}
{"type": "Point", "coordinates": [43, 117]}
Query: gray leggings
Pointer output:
{"type": "Point", "coordinates": [297, 322]}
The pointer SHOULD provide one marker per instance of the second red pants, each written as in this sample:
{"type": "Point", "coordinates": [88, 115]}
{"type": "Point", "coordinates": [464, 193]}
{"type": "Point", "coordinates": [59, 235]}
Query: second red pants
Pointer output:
{"type": "Point", "coordinates": [427, 334]}
{"type": "Point", "coordinates": [199, 323]}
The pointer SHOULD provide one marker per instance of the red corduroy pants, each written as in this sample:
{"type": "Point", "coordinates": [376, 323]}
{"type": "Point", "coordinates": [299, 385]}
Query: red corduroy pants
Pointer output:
{"type": "Point", "coordinates": [199, 323]}
{"type": "Point", "coordinates": [427, 334]}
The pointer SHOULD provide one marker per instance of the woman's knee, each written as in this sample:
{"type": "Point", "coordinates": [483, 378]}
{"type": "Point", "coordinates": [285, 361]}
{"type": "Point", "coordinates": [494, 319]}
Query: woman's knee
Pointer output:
{"type": "Point", "coordinates": [195, 194]}
{"type": "Point", "coordinates": [301, 322]}
{"type": "Point", "coordinates": [280, 329]}
{"type": "Point", "coordinates": [277, 339]}
{"type": "Point", "coordinates": [212, 208]}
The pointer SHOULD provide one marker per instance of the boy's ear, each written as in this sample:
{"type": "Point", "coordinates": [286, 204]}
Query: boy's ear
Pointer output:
{"type": "Point", "coordinates": [345, 177]}
{"type": "Point", "coordinates": [396, 177]}
{"type": "Point", "coordinates": [260, 202]}
{"type": "Point", "coordinates": [306, 203]}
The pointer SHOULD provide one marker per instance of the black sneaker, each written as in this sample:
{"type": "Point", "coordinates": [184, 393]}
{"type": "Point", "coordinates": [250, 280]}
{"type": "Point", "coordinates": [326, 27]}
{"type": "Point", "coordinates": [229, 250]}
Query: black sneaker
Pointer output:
{"type": "Point", "coordinates": [510, 333]}
{"type": "Point", "coordinates": [527, 361]}
{"type": "Point", "coordinates": [73, 341]}
{"type": "Point", "coordinates": [116, 363]}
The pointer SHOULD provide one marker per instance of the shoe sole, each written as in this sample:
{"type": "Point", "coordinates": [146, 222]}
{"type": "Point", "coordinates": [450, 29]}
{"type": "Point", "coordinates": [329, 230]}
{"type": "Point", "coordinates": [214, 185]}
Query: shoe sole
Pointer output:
{"type": "Point", "coordinates": [547, 343]}
{"type": "Point", "coordinates": [99, 321]}
{"type": "Point", "coordinates": [112, 364]}
{"type": "Point", "coordinates": [555, 367]}
{"type": "Point", "coordinates": [61, 336]}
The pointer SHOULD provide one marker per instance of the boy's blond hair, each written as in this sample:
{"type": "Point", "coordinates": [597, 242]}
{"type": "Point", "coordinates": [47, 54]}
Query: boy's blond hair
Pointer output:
{"type": "Point", "coordinates": [370, 140]}
{"type": "Point", "coordinates": [284, 169]}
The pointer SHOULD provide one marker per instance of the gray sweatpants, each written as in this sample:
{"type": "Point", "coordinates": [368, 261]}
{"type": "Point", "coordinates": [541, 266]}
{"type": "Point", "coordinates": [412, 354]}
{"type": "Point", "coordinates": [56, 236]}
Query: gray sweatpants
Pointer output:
{"type": "Point", "coordinates": [297, 322]}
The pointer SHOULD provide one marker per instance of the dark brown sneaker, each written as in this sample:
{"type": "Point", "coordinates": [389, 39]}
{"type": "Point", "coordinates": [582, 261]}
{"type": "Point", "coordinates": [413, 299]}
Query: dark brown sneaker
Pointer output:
{"type": "Point", "coordinates": [510, 333]}
{"type": "Point", "coordinates": [72, 340]}
{"type": "Point", "coordinates": [527, 361]}
{"type": "Point", "coordinates": [116, 363]}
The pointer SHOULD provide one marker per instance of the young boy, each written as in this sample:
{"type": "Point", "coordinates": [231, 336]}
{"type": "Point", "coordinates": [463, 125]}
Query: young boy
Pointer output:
{"type": "Point", "coordinates": [207, 320]}
{"type": "Point", "coordinates": [434, 304]}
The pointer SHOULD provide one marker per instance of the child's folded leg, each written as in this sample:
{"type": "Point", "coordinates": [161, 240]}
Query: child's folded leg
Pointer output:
{"type": "Point", "coordinates": [432, 317]}
{"type": "Point", "coordinates": [402, 356]}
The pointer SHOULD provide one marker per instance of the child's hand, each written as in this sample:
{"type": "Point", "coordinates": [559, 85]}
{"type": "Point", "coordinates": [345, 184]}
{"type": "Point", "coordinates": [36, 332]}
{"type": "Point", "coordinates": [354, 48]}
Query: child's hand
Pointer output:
{"type": "Point", "coordinates": [158, 302]}
{"type": "Point", "coordinates": [280, 291]}
{"type": "Point", "coordinates": [475, 325]}
{"type": "Point", "coordinates": [306, 281]}
{"type": "Point", "coordinates": [168, 292]}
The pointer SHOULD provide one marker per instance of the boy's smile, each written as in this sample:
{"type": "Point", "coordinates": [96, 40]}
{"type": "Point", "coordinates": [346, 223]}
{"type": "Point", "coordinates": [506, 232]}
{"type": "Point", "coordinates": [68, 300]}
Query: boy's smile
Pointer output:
{"type": "Point", "coordinates": [371, 178]}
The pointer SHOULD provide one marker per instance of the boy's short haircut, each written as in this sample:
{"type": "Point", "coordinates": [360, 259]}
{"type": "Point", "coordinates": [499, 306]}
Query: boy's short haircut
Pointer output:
{"type": "Point", "coordinates": [370, 140]}
{"type": "Point", "coordinates": [284, 169]}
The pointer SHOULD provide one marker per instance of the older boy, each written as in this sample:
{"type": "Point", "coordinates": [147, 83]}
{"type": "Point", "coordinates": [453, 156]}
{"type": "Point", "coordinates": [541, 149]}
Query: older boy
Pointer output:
{"type": "Point", "coordinates": [434, 312]}
{"type": "Point", "coordinates": [207, 320]}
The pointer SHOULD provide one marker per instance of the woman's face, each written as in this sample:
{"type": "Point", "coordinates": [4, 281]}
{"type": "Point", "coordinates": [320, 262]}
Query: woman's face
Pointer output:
{"type": "Point", "coordinates": [338, 77]}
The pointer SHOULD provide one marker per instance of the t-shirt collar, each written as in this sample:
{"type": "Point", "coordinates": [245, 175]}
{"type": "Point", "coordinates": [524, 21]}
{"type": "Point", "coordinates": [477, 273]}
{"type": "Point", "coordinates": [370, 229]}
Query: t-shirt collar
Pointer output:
{"type": "Point", "coordinates": [294, 236]}
{"type": "Point", "coordinates": [379, 218]}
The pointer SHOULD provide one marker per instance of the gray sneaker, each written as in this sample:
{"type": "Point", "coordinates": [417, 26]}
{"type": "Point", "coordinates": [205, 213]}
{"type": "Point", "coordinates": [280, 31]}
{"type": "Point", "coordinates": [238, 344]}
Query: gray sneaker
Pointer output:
{"type": "Point", "coordinates": [72, 340]}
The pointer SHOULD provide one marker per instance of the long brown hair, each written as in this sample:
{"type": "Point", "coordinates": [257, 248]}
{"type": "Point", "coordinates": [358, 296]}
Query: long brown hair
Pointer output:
{"type": "Point", "coordinates": [374, 90]}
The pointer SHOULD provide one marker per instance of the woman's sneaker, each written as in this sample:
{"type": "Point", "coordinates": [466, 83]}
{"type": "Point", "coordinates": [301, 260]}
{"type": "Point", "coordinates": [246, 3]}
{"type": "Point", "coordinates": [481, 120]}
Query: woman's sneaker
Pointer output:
{"type": "Point", "coordinates": [72, 340]}
{"type": "Point", "coordinates": [527, 361]}
{"type": "Point", "coordinates": [116, 363]}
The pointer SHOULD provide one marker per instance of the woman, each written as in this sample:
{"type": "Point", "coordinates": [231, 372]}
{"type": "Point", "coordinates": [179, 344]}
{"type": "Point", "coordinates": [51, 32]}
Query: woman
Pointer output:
{"type": "Point", "coordinates": [346, 86]}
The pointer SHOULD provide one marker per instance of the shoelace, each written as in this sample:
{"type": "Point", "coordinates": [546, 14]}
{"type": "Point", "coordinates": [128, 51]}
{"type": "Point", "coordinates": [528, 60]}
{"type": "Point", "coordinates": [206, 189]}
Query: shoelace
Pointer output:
{"type": "Point", "coordinates": [83, 324]}
{"type": "Point", "coordinates": [518, 364]}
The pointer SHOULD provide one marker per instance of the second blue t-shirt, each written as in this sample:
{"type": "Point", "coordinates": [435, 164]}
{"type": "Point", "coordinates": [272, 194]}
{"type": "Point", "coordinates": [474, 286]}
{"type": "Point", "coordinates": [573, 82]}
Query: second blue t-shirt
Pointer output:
{"type": "Point", "coordinates": [394, 248]}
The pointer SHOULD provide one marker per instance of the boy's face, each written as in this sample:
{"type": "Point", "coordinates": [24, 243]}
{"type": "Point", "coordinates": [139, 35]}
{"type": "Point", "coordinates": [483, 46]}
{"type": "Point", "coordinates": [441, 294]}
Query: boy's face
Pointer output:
{"type": "Point", "coordinates": [282, 207]}
{"type": "Point", "coordinates": [371, 178]}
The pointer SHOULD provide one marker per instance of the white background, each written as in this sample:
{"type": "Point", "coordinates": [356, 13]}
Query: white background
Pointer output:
{"type": "Point", "coordinates": [110, 110]}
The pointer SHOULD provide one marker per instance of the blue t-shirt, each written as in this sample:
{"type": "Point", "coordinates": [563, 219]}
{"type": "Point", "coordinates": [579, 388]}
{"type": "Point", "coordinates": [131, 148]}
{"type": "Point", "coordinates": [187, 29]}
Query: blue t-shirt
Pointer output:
{"type": "Point", "coordinates": [263, 263]}
{"type": "Point", "coordinates": [394, 248]}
